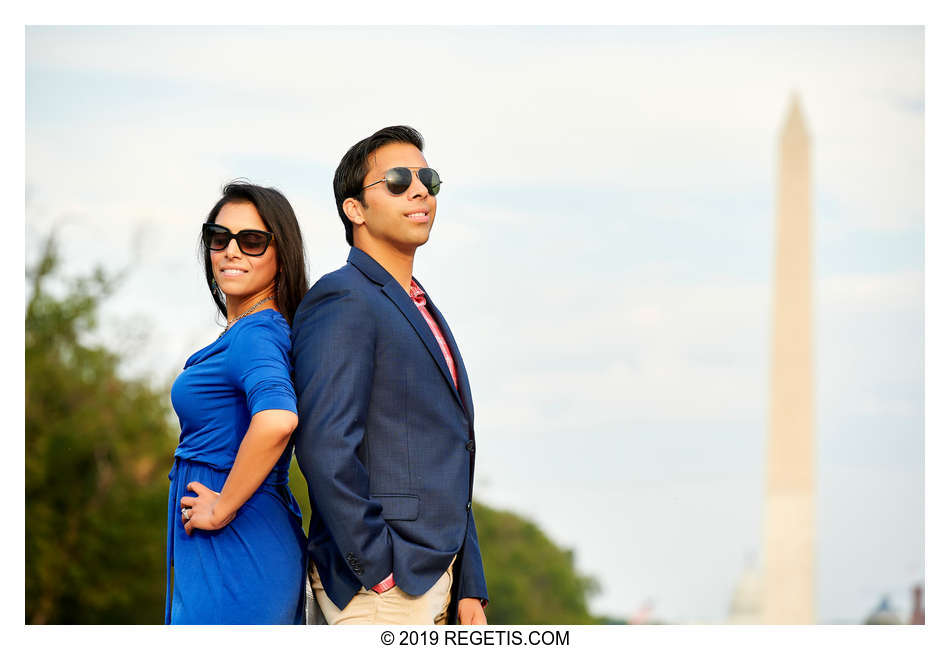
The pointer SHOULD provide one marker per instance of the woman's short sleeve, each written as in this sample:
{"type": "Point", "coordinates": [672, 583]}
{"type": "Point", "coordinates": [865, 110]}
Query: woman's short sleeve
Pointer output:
{"type": "Point", "coordinates": [259, 363]}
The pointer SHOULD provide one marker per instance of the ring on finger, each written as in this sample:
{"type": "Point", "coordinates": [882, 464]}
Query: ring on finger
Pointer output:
{"type": "Point", "coordinates": [186, 513]}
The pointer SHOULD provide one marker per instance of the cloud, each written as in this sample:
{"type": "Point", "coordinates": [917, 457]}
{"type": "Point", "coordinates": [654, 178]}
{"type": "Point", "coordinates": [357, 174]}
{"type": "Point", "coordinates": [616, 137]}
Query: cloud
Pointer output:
{"type": "Point", "coordinates": [622, 108]}
{"type": "Point", "coordinates": [870, 347]}
{"type": "Point", "coordinates": [863, 292]}
{"type": "Point", "coordinates": [656, 352]}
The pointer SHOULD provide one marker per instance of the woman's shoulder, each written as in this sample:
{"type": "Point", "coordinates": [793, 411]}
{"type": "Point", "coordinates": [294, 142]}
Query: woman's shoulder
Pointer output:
{"type": "Point", "coordinates": [265, 327]}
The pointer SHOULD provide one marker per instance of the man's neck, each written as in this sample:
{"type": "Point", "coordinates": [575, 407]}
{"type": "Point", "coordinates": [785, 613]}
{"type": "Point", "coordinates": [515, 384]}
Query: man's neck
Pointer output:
{"type": "Point", "coordinates": [397, 263]}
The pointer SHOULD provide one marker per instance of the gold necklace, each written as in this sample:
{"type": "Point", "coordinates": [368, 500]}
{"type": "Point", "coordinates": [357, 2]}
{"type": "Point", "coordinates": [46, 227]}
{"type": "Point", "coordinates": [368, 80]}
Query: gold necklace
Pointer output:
{"type": "Point", "coordinates": [255, 306]}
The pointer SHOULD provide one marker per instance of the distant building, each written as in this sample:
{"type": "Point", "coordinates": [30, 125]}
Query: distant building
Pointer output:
{"type": "Point", "coordinates": [642, 616]}
{"type": "Point", "coordinates": [917, 616]}
{"type": "Point", "coordinates": [746, 606]}
{"type": "Point", "coordinates": [883, 614]}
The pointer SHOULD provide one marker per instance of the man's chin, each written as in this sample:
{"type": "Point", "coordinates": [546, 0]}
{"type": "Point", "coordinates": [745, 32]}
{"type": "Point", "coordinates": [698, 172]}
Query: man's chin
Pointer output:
{"type": "Point", "coordinates": [420, 239]}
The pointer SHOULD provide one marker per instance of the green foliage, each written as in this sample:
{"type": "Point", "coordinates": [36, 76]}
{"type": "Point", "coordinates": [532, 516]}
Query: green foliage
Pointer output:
{"type": "Point", "coordinates": [531, 581]}
{"type": "Point", "coordinates": [97, 457]}
{"type": "Point", "coordinates": [298, 485]}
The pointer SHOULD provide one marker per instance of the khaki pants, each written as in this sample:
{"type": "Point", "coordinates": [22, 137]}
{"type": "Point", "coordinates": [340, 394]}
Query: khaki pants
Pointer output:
{"type": "Point", "coordinates": [392, 607]}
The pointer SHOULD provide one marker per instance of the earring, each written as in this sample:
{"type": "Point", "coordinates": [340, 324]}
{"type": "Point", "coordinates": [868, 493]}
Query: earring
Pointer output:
{"type": "Point", "coordinates": [214, 286]}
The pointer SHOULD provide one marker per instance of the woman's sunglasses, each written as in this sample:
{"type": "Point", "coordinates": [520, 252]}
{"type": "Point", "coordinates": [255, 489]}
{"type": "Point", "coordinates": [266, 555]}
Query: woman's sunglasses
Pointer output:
{"type": "Point", "coordinates": [398, 179]}
{"type": "Point", "coordinates": [251, 242]}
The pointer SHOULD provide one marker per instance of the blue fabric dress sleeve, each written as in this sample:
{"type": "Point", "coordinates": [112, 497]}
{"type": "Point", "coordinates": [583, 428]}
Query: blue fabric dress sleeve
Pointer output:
{"type": "Point", "coordinates": [259, 363]}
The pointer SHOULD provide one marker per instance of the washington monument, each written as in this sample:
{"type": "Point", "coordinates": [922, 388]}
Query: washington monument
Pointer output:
{"type": "Point", "coordinates": [789, 541]}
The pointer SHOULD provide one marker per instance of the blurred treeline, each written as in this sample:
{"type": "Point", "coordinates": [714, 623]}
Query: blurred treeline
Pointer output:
{"type": "Point", "coordinates": [98, 451]}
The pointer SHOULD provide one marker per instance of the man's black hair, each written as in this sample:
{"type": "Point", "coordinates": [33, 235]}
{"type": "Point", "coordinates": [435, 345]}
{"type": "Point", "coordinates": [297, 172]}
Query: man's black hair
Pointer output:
{"type": "Point", "coordinates": [348, 179]}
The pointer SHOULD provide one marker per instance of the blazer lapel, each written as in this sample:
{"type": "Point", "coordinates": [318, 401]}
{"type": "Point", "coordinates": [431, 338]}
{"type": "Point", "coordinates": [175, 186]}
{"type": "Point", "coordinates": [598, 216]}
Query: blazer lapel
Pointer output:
{"type": "Point", "coordinates": [465, 391]}
{"type": "Point", "coordinates": [401, 299]}
{"type": "Point", "coordinates": [394, 291]}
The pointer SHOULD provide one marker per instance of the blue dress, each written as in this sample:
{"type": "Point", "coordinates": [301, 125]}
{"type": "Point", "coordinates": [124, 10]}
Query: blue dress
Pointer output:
{"type": "Point", "coordinates": [252, 570]}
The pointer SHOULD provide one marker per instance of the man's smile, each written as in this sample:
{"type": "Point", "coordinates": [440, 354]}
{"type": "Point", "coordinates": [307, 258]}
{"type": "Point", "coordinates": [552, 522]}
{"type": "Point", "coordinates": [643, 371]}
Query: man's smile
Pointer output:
{"type": "Point", "coordinates": [419, 216]}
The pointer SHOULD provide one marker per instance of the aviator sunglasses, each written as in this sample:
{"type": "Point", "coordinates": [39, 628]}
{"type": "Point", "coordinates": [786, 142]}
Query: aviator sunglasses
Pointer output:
{"type": "Point", "coordinates": [398, 179]}
{"type": "Point", "coordinates": [251, 242]}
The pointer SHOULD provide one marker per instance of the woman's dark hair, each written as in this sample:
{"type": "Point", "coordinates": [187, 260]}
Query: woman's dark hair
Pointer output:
{"type": "Point", "coordinates": [348, 179]}
{"type": "Point", "coordinates": [279, 218]}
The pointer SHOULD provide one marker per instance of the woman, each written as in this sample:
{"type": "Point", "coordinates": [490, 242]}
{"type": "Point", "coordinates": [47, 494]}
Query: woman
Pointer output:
{"type": "Point", "coordinates": [234, 532]}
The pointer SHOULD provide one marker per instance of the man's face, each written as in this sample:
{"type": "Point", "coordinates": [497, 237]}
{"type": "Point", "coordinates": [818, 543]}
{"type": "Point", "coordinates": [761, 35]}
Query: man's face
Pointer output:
{"type": "Point", "coordinates": [398, 222]}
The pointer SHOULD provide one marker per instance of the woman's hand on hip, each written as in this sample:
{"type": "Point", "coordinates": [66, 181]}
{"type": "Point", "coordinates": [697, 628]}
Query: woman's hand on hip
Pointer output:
{"type": "Point", "coordinates": [199, 511]}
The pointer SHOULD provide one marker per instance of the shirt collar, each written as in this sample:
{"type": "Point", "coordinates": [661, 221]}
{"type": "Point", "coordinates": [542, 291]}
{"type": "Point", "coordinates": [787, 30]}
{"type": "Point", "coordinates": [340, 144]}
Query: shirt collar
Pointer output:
{"type": "Point", "coordinates": [416, 293]}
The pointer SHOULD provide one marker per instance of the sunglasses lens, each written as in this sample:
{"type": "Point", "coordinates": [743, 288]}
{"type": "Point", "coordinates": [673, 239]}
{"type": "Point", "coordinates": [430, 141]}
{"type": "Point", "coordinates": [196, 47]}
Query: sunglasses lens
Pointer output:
{"type": "Point", "coordinates": [252, 243]}
{"type": "Point", "coordinates": [430, 178]}
{"type": "Point", "coordinates": [398, 180]}
{"type": "Point", "coordinates": [216, 238]}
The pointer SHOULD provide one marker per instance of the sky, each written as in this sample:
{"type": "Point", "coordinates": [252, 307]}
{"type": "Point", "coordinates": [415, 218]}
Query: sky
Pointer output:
{"type": "Point", "coordinates": [602, 251]}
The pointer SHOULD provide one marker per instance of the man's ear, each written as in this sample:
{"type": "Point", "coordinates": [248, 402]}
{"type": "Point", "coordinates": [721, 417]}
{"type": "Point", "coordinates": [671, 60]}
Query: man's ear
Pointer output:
{"type": "Point", "coordinates": [353, 210]}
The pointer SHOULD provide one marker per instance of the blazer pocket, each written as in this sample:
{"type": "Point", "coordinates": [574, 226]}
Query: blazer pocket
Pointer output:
{"type": "Point", "coordinates": [398, 506]}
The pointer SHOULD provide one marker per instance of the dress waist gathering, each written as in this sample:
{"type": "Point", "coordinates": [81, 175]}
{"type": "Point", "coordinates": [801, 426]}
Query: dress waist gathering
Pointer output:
{"type": "Point", "coordinates": [277, 477]}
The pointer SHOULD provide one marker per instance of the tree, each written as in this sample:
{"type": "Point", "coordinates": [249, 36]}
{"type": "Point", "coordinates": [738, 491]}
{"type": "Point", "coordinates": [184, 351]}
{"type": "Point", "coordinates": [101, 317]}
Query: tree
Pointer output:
{"type": "Point", "coordinates": [531, 581]}
{"type": "Point", "coordinates": [98, 449]}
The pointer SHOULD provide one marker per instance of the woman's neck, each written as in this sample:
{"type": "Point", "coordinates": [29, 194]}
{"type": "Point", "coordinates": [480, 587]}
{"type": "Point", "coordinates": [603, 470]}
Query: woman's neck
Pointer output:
{"type": "Point", "coordinates": [238, 305]}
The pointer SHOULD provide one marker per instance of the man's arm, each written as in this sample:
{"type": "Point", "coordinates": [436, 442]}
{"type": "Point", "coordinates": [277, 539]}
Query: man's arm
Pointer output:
{"type": "Point", "coordinates": [472, 573]}
{"type": "Point", "coordinates": [473, 593]}
{"type": "Point", "coordinates": [334, 349]}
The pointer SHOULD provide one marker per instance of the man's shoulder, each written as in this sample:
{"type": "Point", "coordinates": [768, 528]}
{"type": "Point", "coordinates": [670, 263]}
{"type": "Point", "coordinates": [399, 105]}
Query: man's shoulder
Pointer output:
{"type": "Point", "coordinates": [347, 278]}
{"type": "Point", "coordinates": [345, 288]}
{"type": "Point", "coordinates": [344, 276]}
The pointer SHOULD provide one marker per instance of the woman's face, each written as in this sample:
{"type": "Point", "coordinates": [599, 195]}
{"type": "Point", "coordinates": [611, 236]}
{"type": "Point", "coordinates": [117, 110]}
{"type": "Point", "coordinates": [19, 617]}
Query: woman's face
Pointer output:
{"type": "Point", "coordinates": [237, 274]}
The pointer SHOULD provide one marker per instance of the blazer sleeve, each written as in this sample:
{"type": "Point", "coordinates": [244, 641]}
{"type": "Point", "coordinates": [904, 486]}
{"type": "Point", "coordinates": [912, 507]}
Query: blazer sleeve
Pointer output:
{"type": "Point", "coordinates": [472, 576]}
{"type": "Point", "coordinates": [334, 350]}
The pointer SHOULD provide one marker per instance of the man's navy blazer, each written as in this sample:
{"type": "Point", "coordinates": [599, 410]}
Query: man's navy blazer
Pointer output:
{"type": "Point", "coordinates": [384, 439]}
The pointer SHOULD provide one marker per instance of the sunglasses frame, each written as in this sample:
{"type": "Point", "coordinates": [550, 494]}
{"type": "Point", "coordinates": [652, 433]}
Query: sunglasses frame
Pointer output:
{"type": "Point", "coordinates": [208, 229]}
{"type": "Point", "coordinates": [434, 190]}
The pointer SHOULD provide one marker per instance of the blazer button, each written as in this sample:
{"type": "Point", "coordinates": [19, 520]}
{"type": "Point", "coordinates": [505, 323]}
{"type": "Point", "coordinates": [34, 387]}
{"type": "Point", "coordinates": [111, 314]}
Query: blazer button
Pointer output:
{"type": "Point", "coordinates": [468, 506]}
{"type": "Point", "coordinates": [470, 445]}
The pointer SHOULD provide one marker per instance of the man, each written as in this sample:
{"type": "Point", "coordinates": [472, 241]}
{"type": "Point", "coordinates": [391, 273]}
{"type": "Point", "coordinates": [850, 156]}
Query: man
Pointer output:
{"type": "Point", "coordinates": [386, 436]}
